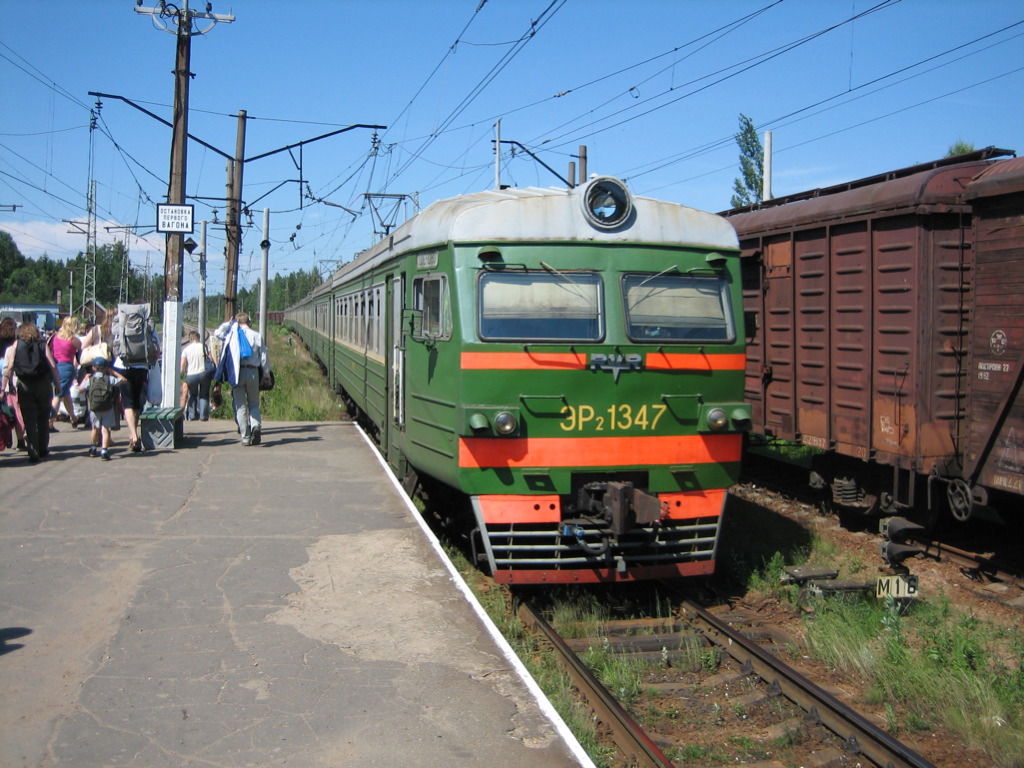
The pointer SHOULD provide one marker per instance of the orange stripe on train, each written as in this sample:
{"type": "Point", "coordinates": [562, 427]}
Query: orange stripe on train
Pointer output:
{"type": "Point", "coordinates": [655, 361]}
{"type": "Point", "coordinates": [522, 361]}
{"type": "Point", "coordinates": [483, 452]}
{"type": "Point", "coordinates": [663, 361]}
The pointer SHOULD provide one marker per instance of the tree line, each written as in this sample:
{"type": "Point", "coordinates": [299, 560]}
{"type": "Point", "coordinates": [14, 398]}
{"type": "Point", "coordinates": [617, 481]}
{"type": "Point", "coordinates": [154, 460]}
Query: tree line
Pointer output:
{"type": "Point", "coordinates": [49, 281]}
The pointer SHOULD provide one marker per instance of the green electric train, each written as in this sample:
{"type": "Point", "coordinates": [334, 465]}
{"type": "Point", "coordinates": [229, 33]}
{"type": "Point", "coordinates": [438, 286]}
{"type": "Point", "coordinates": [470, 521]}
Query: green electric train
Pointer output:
{"type": "Point", "coordinates": [569, 362]}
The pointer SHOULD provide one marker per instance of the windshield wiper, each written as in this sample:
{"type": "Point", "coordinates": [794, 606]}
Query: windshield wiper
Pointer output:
{"type": "Point", "coordinates": [579, 292]}
{"type": "Point", "coordinates": [641, 299]}
{"type": "Point", "coordinates": [664, 271]}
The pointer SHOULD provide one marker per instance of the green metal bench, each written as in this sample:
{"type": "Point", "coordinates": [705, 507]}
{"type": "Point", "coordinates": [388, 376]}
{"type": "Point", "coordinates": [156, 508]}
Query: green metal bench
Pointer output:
{"type": "Point", "coordinates": [162, 428]}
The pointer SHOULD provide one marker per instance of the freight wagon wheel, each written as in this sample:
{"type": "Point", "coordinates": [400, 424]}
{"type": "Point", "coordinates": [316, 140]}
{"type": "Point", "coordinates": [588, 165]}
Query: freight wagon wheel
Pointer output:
{"type": "Point", "coordinates": [961, 500]}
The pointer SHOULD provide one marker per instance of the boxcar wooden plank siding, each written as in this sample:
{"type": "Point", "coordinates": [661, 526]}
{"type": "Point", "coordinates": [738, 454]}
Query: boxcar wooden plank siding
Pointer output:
{"type": "Point", "coordinates": [885, 325]}
{"type": "Point", "coordinates": [997, 352]}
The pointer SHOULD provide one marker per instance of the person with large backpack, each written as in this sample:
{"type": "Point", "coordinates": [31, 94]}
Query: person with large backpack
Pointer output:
{"type": "Point", "coordinates": [30, 363]}
{"type": "Point", "coordinates": [102, 395]}
{"type": "Point", "coordinates": [136, 347]}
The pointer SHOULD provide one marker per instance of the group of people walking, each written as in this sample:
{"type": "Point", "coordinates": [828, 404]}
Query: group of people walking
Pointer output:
{"type": "Point", "coordinates": [39, 375]}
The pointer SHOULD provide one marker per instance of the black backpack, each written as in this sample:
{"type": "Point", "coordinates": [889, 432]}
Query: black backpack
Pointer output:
{"type": "Point", "coordinates": [102, 393]}
{"type": "Point", "coordinates": [30, 361]}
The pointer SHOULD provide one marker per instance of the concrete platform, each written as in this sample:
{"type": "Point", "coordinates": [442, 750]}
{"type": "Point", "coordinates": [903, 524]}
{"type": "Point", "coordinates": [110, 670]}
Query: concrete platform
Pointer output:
{"type": "Point", "coordinates": [221, 605]}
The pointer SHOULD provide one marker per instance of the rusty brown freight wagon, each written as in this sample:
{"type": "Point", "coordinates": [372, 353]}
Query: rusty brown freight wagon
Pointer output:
{"type": "Point", "coordinates": [860, 304]}
{"type": "Point", "coordinates": [995, 438]}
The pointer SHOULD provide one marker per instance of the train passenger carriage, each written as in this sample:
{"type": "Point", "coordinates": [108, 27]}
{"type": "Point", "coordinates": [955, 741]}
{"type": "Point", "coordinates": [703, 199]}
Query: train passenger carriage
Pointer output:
{"type": "Point", "coordinates": [570, 359]}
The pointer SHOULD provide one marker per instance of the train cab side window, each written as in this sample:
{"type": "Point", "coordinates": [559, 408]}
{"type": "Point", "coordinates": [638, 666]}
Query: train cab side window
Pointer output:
{"type": "Point", "coordinates": [430, 297]}
{"type": "Point", "coordinates": [678, 308]}
{"type": "Point", "coordinates": [540, 306]}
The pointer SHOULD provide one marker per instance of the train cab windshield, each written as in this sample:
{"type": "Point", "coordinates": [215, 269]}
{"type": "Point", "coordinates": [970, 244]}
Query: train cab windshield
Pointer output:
{"type": "Point", "coordinates": [682, 308]}
{"type": "Point", "coordinates": [541, 306]}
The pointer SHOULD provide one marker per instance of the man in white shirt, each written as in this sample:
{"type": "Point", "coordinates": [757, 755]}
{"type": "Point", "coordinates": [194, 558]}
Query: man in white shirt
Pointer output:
{"type": "Point", "coordinates": [243, 359]}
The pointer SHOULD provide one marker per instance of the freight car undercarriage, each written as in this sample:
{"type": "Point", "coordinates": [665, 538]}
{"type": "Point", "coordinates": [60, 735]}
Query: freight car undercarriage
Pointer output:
{"type": "Point", "coordinates": [847, 485]}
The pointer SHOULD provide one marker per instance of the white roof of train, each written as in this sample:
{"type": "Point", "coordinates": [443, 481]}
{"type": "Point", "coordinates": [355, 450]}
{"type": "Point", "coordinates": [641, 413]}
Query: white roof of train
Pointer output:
{"type": "Point", "coordinates": [543, 215]}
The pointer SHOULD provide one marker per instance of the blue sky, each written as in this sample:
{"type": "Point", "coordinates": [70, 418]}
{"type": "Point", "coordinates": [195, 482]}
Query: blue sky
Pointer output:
{"type": "Point", "coordinates": [652, 88]}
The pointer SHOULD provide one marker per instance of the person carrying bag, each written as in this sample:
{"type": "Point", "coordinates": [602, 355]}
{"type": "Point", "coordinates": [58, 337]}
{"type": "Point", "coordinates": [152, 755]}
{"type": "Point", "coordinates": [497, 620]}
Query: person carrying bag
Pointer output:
{"type": "Point", "coordinates": [245, 365]}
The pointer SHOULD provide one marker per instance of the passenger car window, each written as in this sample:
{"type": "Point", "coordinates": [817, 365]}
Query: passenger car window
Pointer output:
{"type": "Point", "coordinates": [540, 306]}
{"type": "Point", "coordinates": [677, 308]}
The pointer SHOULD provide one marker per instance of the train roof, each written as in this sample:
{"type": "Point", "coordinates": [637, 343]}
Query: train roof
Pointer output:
{"type": "Point", "coordinates": [534, 214]}
{"type": "Point", "coordinates": [1003, 178]}
{"type": "Point", "coordinates": [942, 182]}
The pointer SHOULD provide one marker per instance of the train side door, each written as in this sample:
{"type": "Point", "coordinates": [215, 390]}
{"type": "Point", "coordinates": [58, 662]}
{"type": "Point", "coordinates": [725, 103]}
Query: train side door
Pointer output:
{"type": "Point", "coordinates": [332, 347]}
{"type": "Point", "coordinates": [396, 373]}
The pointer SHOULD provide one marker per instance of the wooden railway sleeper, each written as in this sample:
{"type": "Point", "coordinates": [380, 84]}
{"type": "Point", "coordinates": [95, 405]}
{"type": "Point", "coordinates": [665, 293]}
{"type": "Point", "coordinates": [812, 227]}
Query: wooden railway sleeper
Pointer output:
{"type": "Point", "coordinates": [627, 734]}
{"type": "Point", "coordinates": [859, 735]}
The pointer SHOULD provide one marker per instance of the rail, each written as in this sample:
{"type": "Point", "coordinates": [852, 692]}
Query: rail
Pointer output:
{"type": "Point", "coordinates": [628, 736]}
{"type": "Point", "coordinates": [859, 735]}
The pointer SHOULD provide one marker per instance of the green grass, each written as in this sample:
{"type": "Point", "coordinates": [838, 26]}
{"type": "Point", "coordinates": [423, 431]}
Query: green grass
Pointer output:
{"type": "Point", "coordinates": [300, 393]}
{"type": "Point", "coordinates": [781, 450]}
{"type": "Point", "coordinates": [929, 664]}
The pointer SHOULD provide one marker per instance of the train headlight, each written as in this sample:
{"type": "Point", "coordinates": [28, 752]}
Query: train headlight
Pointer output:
{"type": "Point", "coordinates": [505, 423]}
{"type": "Point", "coordinates": [717, 419]}
{"type": "Point", "coordinates": [606, 202]}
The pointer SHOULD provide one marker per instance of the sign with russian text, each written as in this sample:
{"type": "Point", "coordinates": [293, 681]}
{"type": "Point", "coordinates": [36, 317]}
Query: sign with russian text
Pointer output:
{"type": "Point", "coordinates": [174, 218]}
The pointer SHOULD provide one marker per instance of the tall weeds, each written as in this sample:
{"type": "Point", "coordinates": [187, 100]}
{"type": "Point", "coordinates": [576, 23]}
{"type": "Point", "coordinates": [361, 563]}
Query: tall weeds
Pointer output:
{"type": "Point", "coordinates": [931, 665]}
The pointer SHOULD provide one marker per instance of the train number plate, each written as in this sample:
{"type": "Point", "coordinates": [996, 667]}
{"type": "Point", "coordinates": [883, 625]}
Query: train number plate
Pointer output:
{"type": "Point", "coordinates": [899, 585]}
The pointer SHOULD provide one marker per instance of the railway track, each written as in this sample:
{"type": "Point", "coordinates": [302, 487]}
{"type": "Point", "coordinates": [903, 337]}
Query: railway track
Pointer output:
{"type": "Point", "coordinates": [772, 483]}
{"type": "Point", "coordinates": [852, 735]}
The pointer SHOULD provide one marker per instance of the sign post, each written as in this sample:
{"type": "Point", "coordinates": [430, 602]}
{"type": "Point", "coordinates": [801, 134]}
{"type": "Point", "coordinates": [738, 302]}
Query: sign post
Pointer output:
{"type": "Point", "coordinates": [174, 220]}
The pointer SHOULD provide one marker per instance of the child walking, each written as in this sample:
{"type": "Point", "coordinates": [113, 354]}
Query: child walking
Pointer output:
{"type": "Point", "coordinates": [101, 388]}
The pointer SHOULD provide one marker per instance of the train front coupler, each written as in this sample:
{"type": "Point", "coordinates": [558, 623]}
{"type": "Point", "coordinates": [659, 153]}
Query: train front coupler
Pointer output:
{"type": "Point", "coordinates": [621, 506]}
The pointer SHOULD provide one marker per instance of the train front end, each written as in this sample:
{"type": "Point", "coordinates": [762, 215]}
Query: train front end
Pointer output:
{"type": "Point", "coordinates": [600, 418]}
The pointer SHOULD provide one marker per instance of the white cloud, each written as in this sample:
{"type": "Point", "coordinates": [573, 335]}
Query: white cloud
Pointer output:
{"type": "Point", "coordinates": [62, 241]}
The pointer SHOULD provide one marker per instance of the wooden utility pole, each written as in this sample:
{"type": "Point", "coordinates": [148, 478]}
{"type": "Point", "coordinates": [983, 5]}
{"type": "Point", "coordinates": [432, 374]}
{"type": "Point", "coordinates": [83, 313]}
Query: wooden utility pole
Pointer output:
{"type": "Point", "coordinates": [179, 153]}
{"type": "Point", "coordinates": [182, 20]}
{"type": "Point", "coordinates": [233, 225]}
